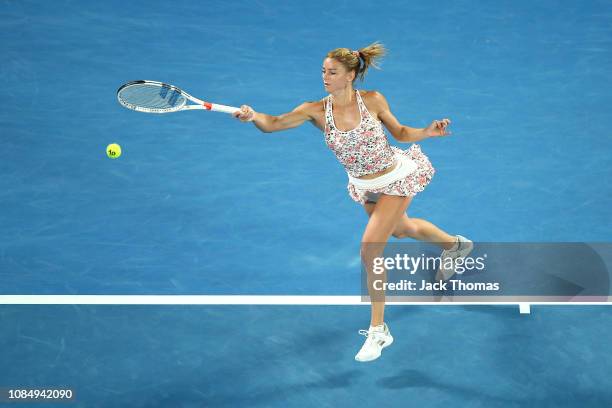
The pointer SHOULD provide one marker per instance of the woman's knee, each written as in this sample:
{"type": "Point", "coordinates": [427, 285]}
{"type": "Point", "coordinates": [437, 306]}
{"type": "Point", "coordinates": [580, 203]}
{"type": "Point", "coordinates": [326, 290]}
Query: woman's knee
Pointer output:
{"type": "Point", "coordinates": [371, 250]}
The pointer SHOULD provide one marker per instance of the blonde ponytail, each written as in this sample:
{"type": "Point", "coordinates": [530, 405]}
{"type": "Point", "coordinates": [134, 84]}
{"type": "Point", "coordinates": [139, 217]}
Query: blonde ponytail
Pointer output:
{"type": "Point", "coordinates": [359, 60]}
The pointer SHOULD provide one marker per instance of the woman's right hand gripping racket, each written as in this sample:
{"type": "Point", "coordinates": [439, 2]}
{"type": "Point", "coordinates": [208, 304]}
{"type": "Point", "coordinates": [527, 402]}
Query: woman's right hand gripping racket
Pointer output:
{"type": "Point", "coordinates": [157, 97]}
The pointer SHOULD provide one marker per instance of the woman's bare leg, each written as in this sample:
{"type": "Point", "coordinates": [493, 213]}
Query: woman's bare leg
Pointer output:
{"type": "Point", "coordinates": [383, 221]}
{"type": "Point", "coordinates": [418, 229]}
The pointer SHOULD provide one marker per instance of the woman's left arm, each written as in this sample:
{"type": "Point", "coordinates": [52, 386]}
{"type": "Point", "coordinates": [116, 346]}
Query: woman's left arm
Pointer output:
{"type": "Point", "coordinates": [404, 133]}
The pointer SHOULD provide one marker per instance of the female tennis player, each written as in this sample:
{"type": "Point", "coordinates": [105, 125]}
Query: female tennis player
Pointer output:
{"type": "Point", "coordinates": [382, 178]}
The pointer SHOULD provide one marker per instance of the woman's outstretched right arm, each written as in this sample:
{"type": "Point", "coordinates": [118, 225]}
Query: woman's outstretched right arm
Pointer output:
{"type": "Point", "coordinates": [268, 123]}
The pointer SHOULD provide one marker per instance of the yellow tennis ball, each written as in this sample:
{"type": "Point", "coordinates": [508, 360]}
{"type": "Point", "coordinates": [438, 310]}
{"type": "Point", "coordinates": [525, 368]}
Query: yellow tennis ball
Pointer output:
{"type": "Point", "coordinates": [113, 151]}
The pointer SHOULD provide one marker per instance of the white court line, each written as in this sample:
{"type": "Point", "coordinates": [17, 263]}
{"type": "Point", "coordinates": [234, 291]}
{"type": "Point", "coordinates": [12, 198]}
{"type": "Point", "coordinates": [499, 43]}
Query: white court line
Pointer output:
{"type": "Point", "coordinates": [179, 300]}
{"type": "Point", "coordinates": [232, 300]}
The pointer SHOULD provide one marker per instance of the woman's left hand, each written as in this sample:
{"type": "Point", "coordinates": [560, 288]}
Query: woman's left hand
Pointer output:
{"type": "Point", "coordinates": [438, 128]}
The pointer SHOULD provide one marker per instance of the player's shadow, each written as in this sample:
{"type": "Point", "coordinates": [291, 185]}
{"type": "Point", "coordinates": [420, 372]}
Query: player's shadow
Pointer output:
{"type": "Point", "coordinates": [418, 379]}
{"type": "Point", "coordinates": [262, 397]}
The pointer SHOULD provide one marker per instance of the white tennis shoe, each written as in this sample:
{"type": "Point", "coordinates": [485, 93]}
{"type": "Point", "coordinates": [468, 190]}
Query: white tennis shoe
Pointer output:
{"type": "Point", "coordinates": [377, 338]}
{"type": "Point", "coordinates": [462, 248]}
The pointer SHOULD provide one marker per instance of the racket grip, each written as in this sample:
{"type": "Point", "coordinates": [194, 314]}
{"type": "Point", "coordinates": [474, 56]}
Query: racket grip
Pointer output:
{"type": "Point", "coordinates": [219, 108]}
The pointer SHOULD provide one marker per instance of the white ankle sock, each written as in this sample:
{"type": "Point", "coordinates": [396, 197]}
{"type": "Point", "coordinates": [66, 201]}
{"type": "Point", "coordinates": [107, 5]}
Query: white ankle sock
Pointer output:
{"type": "Point", "coordinates": [378, 328]}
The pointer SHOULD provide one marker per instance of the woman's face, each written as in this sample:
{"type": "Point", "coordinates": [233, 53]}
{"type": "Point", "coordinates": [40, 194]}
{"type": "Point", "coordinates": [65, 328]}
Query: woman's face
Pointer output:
{"type": "Point", "coordinates": [335, 76]}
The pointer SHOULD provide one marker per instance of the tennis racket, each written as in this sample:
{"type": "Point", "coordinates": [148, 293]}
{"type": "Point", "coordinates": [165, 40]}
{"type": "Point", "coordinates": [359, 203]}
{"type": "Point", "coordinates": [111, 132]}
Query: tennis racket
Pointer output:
{"type": "Point", "coordinates": [157, 97]}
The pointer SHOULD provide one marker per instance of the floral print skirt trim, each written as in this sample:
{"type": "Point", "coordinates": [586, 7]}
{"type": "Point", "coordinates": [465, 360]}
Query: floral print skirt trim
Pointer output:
{"type": "Point", "coordinates": [409, 186]}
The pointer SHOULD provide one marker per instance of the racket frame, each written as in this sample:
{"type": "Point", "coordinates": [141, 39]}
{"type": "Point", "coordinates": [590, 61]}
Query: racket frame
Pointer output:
{"type": "Point", "coordinates": [200, 104]}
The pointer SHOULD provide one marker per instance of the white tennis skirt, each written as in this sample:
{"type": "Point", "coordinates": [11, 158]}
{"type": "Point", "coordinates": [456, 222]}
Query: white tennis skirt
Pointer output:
{"type": "Point", "coordinates": [412, 173]}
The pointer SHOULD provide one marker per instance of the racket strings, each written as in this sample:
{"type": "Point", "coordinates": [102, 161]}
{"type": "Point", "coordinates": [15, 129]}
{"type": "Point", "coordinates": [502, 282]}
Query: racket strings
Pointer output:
{"type": "Point", "coordinates": [149, 96]}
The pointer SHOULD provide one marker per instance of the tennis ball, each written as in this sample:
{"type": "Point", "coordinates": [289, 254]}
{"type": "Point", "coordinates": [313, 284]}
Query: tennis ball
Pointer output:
{"type": "Point", "coordinates": [113, 151]}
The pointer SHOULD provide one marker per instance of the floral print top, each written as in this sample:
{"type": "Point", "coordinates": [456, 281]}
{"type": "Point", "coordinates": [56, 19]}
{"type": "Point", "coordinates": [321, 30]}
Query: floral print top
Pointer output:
{"type": "Point", "coordinates": [363, 150]}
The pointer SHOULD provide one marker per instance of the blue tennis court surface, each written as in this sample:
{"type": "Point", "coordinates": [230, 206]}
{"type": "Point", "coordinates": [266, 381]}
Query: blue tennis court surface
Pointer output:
{"type": "Point", "coordinates": [200, 204]}
{"type": "Point", "coordinates": [189, 356]}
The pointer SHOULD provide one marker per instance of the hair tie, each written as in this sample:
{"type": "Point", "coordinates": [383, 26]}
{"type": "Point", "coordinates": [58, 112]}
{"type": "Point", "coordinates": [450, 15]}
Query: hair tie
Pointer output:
{"type": "Point", "coordinates": [357, 53]}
